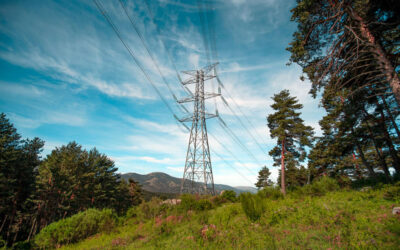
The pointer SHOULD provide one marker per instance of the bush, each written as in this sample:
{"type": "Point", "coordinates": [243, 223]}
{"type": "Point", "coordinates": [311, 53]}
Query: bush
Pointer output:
{"type": "Point", "coordinates": [229, 195]}
{"type": "Point", "coordinates": [151, 209]}
{"type": "Point", "coordinates": [132, 212]}
{"type": "Point", "coordinates": [252, 205]}
{"type": "Point", "coordinates": [191, 202]}
{"type": "Point", "coordinates": [22, 245]}
{"type": "Point", "coordinates": [393, 192]}
{"type": "Point", "coordinates": [75, 228]}
{"type": "Point", "coordinates": [271, 193]}
{"type": "Point", "coordinates": [319, 187]}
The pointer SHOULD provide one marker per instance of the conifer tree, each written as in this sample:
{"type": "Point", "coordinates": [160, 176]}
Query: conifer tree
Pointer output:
{"type": "Point", "coordinates": [18, 162]}
{"type": "Point", "coordinates": [72, 179]}
{"type": "Point", "coordinates": [290, 132]}
{"type": "Point", "coordinates": [263, 178]}
{"type": "Point", "coordinates": [335, 38]}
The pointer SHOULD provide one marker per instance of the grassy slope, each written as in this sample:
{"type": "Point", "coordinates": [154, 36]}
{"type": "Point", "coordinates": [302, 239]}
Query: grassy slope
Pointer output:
{"type": "Point", "coordinates": [345, 219]}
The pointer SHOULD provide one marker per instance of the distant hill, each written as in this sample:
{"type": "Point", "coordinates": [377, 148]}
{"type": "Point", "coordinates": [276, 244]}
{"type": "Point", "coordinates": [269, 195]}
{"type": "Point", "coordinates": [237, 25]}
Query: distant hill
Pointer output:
{"type": "Point", "coordinates": [158, 182]}
{"type": "Point", "coordinates": [247, 189]}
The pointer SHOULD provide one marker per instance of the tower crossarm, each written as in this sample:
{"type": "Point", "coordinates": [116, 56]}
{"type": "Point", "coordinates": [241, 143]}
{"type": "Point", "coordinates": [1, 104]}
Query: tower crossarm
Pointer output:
{"type": "Point", "coordinates": [190, 118]}
{"type": "Point", "coordinates": [192, 99]}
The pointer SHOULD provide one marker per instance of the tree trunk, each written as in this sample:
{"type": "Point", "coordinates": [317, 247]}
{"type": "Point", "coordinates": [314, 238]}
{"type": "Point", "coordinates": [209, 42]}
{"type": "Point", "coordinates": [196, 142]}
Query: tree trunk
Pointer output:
{"type": "Point", "coordinates": [361, 153]}
{"type": "Point", "coordinates": [380, 55]}
{"type": "Point", "coordinates": [357, 168]}
{"type": "Point", "coordinates": [283, 186]}
{"type": "Point", "coordinates": [31, 232]}
{"type": "Point", "coordinates": [4, 222]}
{"type": "Point", "coordinates": [392, 150]}
{"type": "Point", "coordinates": [380, 156]}
{"type": "Point", "coordinates": [390, 116]}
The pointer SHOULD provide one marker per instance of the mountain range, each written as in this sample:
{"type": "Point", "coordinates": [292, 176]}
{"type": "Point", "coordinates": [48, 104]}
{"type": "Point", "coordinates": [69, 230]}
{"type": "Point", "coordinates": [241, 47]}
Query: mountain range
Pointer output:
{"type": "Point", "coordinates": [158, 182]}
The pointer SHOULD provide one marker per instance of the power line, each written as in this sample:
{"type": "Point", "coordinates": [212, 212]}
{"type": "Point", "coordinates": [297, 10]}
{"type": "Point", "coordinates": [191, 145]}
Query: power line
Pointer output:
{"type": "Point", "coordinates": [236, 138]}
{"type": "Point", "coordinates": [229, 165]}
{"type": "Point", "coordinates": [203, 29]}
{"type": "Point", "coordinates": [205, 22]}
{"type": "Point", "coordinates": [230, 152]}
{"type": "Point", "coordinates": [159, 36]}
{"type": "Point", "coordinates": [209, 19]}
{"type": "Point", "coordinates": [206, 46]}
{"type": "Point", "coordinates": [241, 123]}
{"type": "Point", "coordinates": [117, 32]}
{"type": "Point", "coordinates": [238, 107]}
{"type": "Point", "coordinates": [131, 19]}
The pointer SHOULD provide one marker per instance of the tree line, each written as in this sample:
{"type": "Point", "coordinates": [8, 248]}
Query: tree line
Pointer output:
{"type": "Point", "coordinates": [349, 51]}
{"type": "Point", "coordinates": [36, 192]}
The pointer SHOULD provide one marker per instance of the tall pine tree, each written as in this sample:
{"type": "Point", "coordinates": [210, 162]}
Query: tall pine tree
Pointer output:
{"type": "Point", "coordinates": [291, 134]}
{"type": "Point", "coordinates": [18, 162]}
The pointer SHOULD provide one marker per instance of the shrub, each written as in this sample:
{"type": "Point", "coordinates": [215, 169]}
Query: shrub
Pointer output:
{"type": "Point", "coordinates": [151, 209]}
{"type": "Point", "coordinates": [271, 193]}
{"type": "Point", "coordinates": [252, 205]}
{"type": "Point", "coordinates": [75, 228]}
{"type": "Point", "coordinates": [22, 245]}
{"type": "Point", "coordinates": [191, 202]}
{"type": "Point", "coordinates": [188, 202]}
{"type": "Point", "coordinates": [203, 204]}
{"type": "Point", "coordinates": [229, 195]}
{"type": "Point", "coordinates": [319, 187]}
{"type": "Point", "coordinates": [393, 192]}
{"type": "Point", "coordinates": [132, 212]}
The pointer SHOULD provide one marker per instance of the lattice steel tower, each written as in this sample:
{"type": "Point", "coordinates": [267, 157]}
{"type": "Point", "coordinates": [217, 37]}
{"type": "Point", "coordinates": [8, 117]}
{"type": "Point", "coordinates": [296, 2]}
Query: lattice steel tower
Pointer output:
{"type": "Point", "coordinates": [198, 176]}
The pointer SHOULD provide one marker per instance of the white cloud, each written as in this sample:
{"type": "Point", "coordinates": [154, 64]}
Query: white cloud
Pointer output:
{"type": "Point", "coordinates": [50, 117]}
{"type": "Point", "coordinates": [194, 60]}
{"type": "Point", "coordinates": [176, 169]}
{"type": "Point", "coordinates": [236, 67]}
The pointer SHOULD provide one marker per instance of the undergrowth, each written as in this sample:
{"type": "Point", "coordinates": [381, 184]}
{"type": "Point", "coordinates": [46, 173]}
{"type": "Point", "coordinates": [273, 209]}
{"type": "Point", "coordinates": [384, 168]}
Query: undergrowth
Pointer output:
{"type": "Point", "coordinates": [318, 216]}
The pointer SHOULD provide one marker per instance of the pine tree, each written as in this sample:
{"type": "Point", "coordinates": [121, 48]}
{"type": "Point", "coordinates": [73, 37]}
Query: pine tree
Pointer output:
{"type": "Point", "coordinates": [72, 179]}
{"type": "Point", "coordinates": [292, 135]}
{"type": "Point", "coordinates": [336, 38]}
{"type": "Point", "coordinates": [348, 49]}
{"type": "Point", "coordinates": [18, 162]}
{"type": "Point", "coordinates": [263, 178]}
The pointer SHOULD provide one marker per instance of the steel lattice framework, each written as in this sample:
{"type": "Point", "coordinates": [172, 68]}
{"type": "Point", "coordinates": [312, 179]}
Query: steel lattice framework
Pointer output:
{"type": "Point", "coordinates": [198, 176]}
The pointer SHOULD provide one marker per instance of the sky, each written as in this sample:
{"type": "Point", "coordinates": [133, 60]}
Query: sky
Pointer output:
{"type": "Point", "coordinates": [65, 76]}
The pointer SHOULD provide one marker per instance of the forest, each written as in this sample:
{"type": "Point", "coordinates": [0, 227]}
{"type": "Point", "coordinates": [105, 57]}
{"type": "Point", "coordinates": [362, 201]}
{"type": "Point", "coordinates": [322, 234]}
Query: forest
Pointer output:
{"type": "Point", "coordinates": [339, 189]}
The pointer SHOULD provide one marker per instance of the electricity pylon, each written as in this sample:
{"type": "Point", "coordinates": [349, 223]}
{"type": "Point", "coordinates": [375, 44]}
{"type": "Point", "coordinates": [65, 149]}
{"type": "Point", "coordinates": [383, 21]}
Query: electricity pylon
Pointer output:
{"type": "Point", "coordinates": [197, 175]}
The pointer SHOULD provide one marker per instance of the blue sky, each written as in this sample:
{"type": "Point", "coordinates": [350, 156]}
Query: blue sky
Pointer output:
{"type": "Point", "coordinates": [65, 76]}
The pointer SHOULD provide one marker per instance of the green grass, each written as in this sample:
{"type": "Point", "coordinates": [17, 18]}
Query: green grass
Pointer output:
{"type": "Point", "coordinates": [344, 219]}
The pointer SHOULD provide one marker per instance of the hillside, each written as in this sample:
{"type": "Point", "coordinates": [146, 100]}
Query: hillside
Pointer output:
{"type": "Point", "coordinates": [158, 182]}
{"type": "Point", "coordinates": [309, 218]}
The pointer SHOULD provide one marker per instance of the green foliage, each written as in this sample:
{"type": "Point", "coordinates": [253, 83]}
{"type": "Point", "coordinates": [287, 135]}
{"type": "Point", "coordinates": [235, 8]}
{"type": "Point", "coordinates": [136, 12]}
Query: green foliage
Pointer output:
{"type": "Point", "coordinates": [253, 205]}
{"type": "Point", "coordinates": [22, 245]}
{"type": "Point", "coordinates": [273, 193]}
{"type": "Point", "coordinates": [229, 195]}
{"type": "Point", "coordinates": [360, 132]}
{"type": "Point", "coordinates": [393, 192]}
{"type": "Point", "coordinates": [292, 137]}
{"type": "Point", "coordinates": [196, 203]}
{"type": "Point", "coordinates": [263, 178]}
{"type": "Point", "coordinates": [19, 160]}
{"type": "Point", "coordinates": [342, 219]}
{"type": "Point", "coordinates": [75, 228]}
{"type": "Point", "coordinates": [318, 187]}
{"type": "Point", "coordinates": [151, 208]}
{"type": "Point", "coordinates": [72, 179]}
